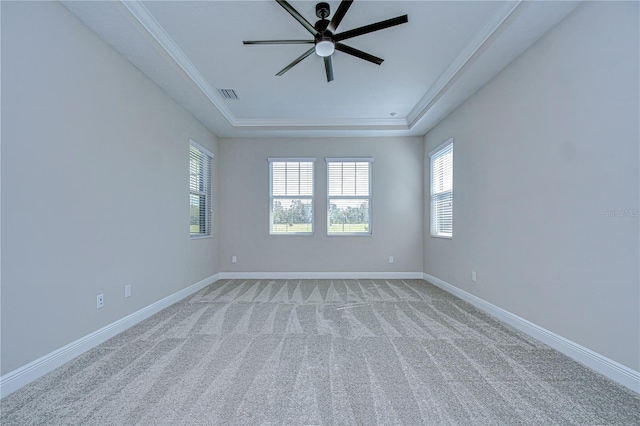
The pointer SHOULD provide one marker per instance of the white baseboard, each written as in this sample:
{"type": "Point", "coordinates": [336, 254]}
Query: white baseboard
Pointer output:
{"type": "Point", "coordinates": [603, 365]}
{"type": "Point", "coordinates": [24, 375]}
{"type": "Point", "coordinates": [320, 275]}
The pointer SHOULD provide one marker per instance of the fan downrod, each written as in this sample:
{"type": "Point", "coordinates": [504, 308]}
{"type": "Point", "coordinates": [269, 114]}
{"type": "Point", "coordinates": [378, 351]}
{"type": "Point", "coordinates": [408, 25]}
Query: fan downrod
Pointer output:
{"type": "Point", "coordinates": [323, 10]}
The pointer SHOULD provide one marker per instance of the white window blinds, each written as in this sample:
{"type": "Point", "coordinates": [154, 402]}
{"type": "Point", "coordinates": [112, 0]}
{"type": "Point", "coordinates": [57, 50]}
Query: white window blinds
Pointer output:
{"type": "Point", "coordinates": [291, 196]}
{"type": "Point", "coordinates": [349, 196]}
{"type": "Point", "coordinates": [199, 190]}
{"type": "Point", "coordinates": [442, 190]}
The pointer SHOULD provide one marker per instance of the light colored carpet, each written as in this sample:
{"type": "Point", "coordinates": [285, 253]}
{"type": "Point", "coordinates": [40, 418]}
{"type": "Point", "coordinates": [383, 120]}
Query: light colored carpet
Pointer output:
{"type": "Point", "coordinates": [322, 352]}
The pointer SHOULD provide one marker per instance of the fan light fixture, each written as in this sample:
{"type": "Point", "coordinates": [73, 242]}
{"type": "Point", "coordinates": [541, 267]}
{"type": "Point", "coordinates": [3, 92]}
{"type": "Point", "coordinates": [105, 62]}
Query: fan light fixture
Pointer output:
{"type": "Point", "coordinates": [325, 47]}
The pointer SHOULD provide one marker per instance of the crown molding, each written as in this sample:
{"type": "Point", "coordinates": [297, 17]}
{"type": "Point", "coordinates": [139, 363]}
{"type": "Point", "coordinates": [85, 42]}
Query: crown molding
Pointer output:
{"type": "Point", "coordinates": [328, 123]}
{"type": "Point", "coordinates": [147, 23]}
{"type": "Point", "coordinates": [443, 83]}
{"type": "Point", "coordinates": [137, 11]}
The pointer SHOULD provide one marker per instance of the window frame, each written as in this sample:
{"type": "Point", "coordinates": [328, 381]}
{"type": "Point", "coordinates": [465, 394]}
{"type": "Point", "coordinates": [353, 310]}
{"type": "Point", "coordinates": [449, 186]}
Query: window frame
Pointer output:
{"type": "Point", "coordinates": [434, 229]}
{"type": "Point", "coordinates": [206, 193]}
{"type": "Point", "coordinates": [369, 197]}
{"type": "Point", "coordinates": [311, 197]}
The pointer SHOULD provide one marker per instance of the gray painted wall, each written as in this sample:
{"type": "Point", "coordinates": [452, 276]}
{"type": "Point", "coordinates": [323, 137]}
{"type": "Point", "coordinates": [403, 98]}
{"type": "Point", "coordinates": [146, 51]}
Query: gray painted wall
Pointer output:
{"type": "Point", "coordinates": [94, 185]}
{"type": "Point", "coordinates": [397, 208]}
{"type": "Point", "coordinates": [543, 156]}
{"type": "Point", "coordinates": [94, 195]}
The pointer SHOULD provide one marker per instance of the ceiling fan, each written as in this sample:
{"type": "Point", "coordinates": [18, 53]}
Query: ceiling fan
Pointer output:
{"type": "Point", "coordinates": [325, 39]}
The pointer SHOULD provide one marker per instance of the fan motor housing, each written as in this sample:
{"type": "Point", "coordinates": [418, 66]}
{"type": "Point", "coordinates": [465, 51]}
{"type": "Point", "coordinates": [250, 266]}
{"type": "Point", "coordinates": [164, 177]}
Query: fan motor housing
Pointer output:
{"type": "Point", "coordinates": [321, 27]}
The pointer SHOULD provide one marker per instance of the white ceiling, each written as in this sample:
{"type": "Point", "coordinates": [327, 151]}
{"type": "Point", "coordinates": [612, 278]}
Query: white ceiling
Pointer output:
{"type": "Point", "coordinates": [446, 52]}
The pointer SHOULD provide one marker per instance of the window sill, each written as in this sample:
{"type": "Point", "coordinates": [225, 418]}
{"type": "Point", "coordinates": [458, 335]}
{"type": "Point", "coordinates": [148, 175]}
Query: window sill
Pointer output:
{"type": "Point", "coordinates": [442, 237]}
{"type": "Point", "coordinates": [291, 234]}
{"type": "Point", "coordinates": [199, 237]}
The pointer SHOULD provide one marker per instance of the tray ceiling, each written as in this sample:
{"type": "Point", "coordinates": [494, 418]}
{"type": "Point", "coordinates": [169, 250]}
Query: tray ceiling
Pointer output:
{"type": "Point", "coordinates": [446, 52]}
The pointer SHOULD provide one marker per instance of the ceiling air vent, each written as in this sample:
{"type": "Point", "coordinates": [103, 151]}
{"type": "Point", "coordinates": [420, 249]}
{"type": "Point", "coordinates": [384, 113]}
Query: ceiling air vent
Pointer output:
{"type": "Point", "coordinates": [228, 93]}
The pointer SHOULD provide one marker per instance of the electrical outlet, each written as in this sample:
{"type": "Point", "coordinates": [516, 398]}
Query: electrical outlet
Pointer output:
{"type": "Point", "coordinates": [234, 259]}
{"type": "Point", "coordinates": [100, 301]}
{"type": "Point", "coordinates": [390, 259]}
{"type": "Point", "coordinates": [127, 290]}
{"type": "Point", "coordinates": [473, 276]}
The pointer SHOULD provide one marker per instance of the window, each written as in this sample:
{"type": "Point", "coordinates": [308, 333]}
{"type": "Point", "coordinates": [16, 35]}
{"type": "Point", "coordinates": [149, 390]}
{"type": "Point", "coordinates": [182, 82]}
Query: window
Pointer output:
{"type": "Point", "coordinates": [349, 196]}
{"type": "Point", "coordinates": [442, 190]}
{"type": "Point", "coordinates": [199, 190]}
{"type": "Point", "coordinates": [291, 196]}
